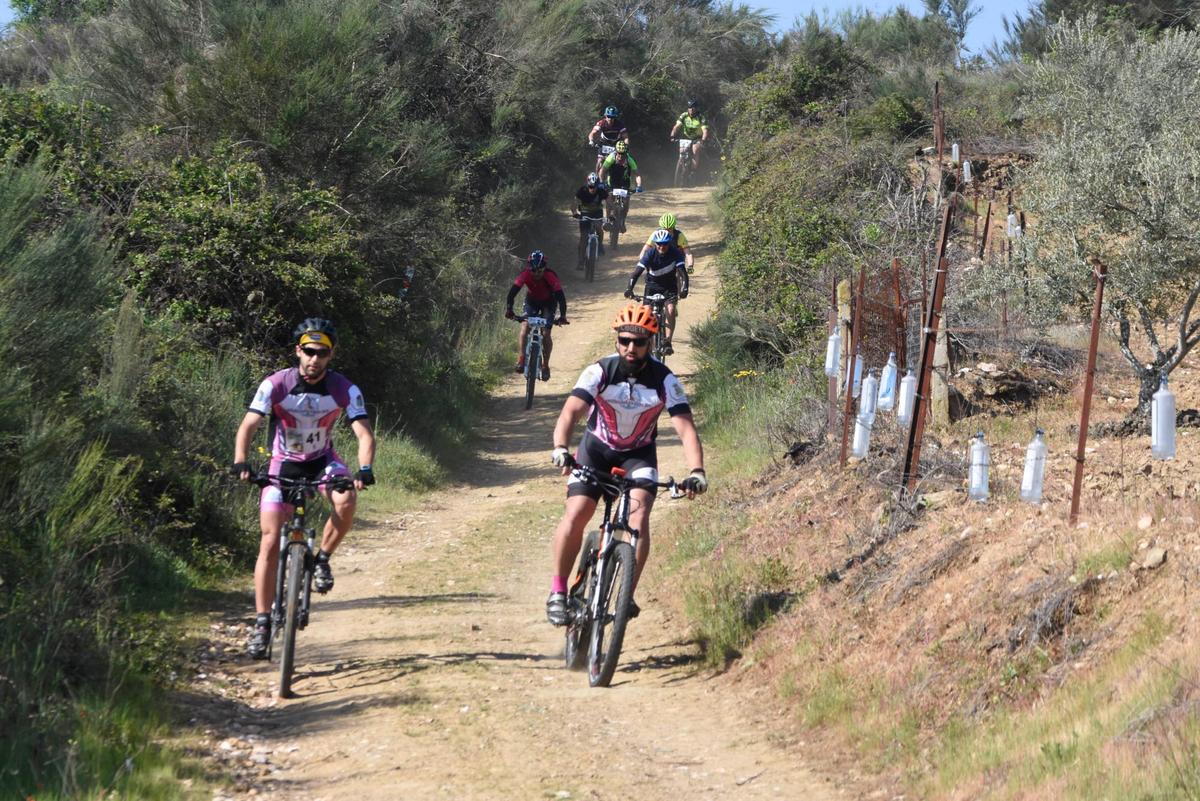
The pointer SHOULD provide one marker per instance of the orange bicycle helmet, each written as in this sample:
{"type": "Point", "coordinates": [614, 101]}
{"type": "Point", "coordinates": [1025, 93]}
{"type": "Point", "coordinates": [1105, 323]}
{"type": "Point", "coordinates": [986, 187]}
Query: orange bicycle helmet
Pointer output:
{"type": "Point", "coordinates": [636, 319]}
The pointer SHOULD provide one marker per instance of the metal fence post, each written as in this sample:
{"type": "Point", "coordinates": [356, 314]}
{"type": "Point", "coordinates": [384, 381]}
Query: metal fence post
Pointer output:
{"type": "Point", "coordinates": [851, 364]}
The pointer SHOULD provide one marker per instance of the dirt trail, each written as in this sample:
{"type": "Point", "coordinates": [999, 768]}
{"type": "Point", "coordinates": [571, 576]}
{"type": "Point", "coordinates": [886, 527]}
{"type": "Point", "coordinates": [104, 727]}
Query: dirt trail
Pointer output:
{"type": "Point", "coordinates": [430, 671]}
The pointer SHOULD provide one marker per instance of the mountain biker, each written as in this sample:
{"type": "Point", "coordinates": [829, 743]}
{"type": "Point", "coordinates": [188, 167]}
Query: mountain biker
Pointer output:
{"type": "Point", "coordinates": [692, 124]}
{"type": "Point", "coordinates": [303, 404]}
{"type": "Point", "coordinates": [542, 291]}
{"type": "Point", "coordinates": [607, 131]}
{"type": "Point", "coordinates": [666, 275]}
{"type": "Point", "coordinates": [617, 171]}
{"type": "Point", "coordinates": [667, 221]}
{"type": "Point", "coordinates": [589, 202]}
{"type": "Point", "coordinates": [622, 396]}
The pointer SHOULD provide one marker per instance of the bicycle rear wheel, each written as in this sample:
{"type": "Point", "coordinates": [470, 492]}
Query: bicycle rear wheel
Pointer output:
{"type": "Point", "coordinates": [579, 598]}
{"type": "Point", "coordinates": [615, 590]}
{"type": "Point", "coordinates": [294, 582]}
{"type": "Point", "coordinates": [533, 364]}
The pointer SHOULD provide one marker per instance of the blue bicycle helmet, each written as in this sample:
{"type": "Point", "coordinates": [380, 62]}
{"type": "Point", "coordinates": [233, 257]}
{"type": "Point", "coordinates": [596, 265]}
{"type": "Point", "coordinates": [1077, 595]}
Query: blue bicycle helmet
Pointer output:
{"type": "Point", "coordinates": [612, 112]}
{"type": "Point", "coordinates": [536, 261]}
{"type": "Point", "coordinates": [593, 179]}
{"type": "Point", "coordinates": [661, 237]}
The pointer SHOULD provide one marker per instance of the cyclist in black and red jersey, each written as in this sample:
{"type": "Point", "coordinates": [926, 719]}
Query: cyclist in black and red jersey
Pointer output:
{"type": "Point", "coordinates": [543, 291]}
{"type": "Point", "coordinates": [605, 134]}
{"type": "Point", "coordinates": [622, 396]}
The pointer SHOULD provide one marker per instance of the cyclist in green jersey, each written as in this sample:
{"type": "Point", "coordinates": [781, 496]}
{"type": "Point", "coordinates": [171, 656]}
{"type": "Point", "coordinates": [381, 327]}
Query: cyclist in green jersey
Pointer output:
{"type": "Point", "coordinates": [692, 125]}
{"type": "Point", "coordinates": [618, 172]}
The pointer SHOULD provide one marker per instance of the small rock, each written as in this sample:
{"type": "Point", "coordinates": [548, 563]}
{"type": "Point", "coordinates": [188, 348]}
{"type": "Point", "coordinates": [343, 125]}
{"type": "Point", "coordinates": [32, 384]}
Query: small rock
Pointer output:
{"type": "Point", "coordinates": [1145, 522]}
{"type": "Point", "coordinates": [1154, 558]}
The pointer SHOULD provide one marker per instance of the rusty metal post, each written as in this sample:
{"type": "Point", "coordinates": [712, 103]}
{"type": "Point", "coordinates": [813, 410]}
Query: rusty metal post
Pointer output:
{"type": "Point", "coordinates": [916, 428]}
{"type": "Point", "coordinates": [1101, 273]}
{"type": "Point", "coordinates": [924, 287]}
{"type": "Point", "coordinates": [852, 364]}
{"type": "Point", "coordinates": [833, 379]}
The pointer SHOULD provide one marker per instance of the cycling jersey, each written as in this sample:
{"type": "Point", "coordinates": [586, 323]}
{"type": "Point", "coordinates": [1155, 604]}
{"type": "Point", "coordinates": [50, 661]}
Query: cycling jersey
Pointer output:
{"type": "Point", "coordinates": [662, 271]}
{"type": "Point", "coordinates": [591, 204]}
{"type": "Point", "coordinates": [619, 174]}
{"type": "Point", "coordinates": [624, 414]}
{"type": "Point", "coordinates": [677, 239]}
{"type": "Point", "coordinates": [539, 288]}
{"type": "Point", "coordinates": [608, 132]}
{"type": "Point", "coordinates": [692, 127]}
{"type": "Point", "coordinates": [303, 414]}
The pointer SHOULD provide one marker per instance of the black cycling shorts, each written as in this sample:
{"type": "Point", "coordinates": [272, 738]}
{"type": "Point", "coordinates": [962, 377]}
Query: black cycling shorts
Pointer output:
{"type": "Point", "coordinates": [545, 309]}
{"type": "Point", "coordinates": [639, 464]}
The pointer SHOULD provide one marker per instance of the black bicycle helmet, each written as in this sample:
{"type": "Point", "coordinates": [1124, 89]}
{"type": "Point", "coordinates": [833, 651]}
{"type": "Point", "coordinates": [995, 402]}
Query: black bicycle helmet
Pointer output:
{"type": "Point", "coordinates": [693, 103]}
{"type": "Point", "coordinates": [315, 327]}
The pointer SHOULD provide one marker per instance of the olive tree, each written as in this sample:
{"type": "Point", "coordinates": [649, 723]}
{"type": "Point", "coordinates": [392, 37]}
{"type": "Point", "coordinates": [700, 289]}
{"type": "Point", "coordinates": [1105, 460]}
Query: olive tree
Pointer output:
{"type": "Point", "coordinates": [1118, 179]}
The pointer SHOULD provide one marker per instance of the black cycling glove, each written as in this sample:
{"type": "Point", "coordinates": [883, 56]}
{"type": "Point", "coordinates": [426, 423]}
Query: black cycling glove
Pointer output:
{"type": "Point", "coordinates": [237, 468]}
{"type": "Point", "coordinates": [366, 476]}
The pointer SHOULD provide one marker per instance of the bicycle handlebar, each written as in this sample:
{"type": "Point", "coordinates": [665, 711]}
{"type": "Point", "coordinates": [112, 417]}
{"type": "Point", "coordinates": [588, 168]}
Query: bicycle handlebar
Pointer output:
{"type": "Point", "coordinates": [657, 297]}
{"type": "Point", "coordinates": [520, 318]}
{"type": "Point", "coordinates": [339, 483]}
{"type": "Point", "coordinates": [617, 484]}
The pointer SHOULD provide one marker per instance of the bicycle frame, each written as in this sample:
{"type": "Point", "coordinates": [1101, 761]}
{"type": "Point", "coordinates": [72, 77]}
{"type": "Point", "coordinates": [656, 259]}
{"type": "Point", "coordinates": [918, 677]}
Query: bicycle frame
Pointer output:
{"type": "Point", "coordinates": [535, 342]}
{"type": "Point", "coordinates": [658, 306]}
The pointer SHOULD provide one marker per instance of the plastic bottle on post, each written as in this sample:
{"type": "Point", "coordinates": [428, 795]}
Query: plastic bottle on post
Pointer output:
{"type": "Point", "coordinates": [1035, 469]}
{"type": "Point", "coordinates": [869, 398]}
{"type": "Point", "coordinates": [980, 458]}
{"type": "Point", "coordinates": [906, 399]}
{"type": "Point", "coordinates": [833, 352]}
{"type": "Point", "coordinates": [954, 153]}
{"type": "Point", "coordinates": [1162, 422]}
{"type": "Point", "coordinates": [856, 388]}
{"type": "Point", "coordinates": [967, 172]}
{"type": "Point", "coordinates": [887, 385]}
{"type": "Point", "coordinates": [862, 438]}
{"type": "Point", "coordinates": [1012, 225]}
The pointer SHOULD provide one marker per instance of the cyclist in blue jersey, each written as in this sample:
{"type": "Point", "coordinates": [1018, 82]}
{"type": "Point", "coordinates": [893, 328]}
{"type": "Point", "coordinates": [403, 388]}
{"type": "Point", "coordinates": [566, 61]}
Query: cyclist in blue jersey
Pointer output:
{"type": "Point", "coordinates": [665, 266]}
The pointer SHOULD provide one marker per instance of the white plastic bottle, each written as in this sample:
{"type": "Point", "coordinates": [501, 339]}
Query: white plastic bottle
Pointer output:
{"type": "Point", "coordinates": [980, 458]}
{"type": "Point", "coordinates": [967, 171]}
{"type": "Point", "coordinates": [1162, 422]}
{"type": "Point", "coordinates": [862, 438]}
{"type": "Point", "coordinates": [1035, 469]}
{"type": "Point", "coordinates": [887, 385]}
{"type": "Point", "coordinates": [869, 398]}
{"type": "Point", "coordinates": [856, 388]}
{"type": "Point", "coordinates": [833, 352]}
{"type": "Point", "coordinates": [954, 153]}
{"type": "Point", "coordinates": [907, 398]}
{"type": "Point", "coordinates": [1013, 226]}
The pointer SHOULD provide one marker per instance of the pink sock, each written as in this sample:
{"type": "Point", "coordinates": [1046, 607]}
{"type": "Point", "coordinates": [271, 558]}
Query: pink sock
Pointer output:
{"type": "Point", "coordinates": [558, 584]}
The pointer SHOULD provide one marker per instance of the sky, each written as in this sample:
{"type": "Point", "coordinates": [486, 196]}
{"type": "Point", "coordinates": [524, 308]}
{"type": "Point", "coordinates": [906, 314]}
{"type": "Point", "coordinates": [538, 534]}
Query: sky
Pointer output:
{"type": "Point", "coordinates": [983, 29]}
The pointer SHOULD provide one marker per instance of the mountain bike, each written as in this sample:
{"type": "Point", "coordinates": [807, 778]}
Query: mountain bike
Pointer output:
{"type": "Point", "coordinates": [534, 348]}
{"type": "Point", "coordinates": [658, 306]}
{"type": "Point", "coordinates": [599, 598]}
{"type": "Point", "coordinates": [683, 165]}
{"type": "Point", "coordinates": [620, 207]}
{"type": "Point", "coordinates": [591, 250]}
{"type": "Point", "coordinates": [297, 556]}
{"type": "Point", "coordinates": [603, 151]}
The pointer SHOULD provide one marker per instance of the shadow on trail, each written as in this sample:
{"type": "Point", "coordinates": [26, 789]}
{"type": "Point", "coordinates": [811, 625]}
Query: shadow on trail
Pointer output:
{"type": "Point", "coordinates": [401, 601]}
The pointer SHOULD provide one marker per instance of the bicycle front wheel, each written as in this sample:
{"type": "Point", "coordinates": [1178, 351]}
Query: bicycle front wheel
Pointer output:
{"type": "Point", "coordinates": [533, 364]}
{"type": "Point", "coordinates": [589, 260]}
{"type": "Point", "coordinates": [680, 171]}
{"type": "Point", "coordinates": [294, 582]}
{"type": "Point", "coordinates": [615, 591]}
{"type": "Point", "coordinates": [580, 598]}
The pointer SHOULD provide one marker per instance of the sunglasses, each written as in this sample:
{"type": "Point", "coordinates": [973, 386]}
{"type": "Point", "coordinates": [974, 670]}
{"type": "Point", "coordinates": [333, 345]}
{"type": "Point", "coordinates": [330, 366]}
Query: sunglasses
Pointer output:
{"type": "Point", "coordinates": [320, 353]}
{"type": "Point", "coordinates": [637, 342]}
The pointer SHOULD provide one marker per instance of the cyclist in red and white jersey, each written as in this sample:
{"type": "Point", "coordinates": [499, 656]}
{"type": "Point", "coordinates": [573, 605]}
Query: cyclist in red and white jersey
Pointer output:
{"type": "Point", "coordinates": [622, 396]}
{"type": "Point", "coordinates": [303, 404]}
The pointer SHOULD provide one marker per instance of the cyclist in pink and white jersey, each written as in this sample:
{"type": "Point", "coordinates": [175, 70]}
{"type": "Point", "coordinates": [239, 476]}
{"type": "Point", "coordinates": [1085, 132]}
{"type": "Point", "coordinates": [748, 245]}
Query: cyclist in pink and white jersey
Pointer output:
{"type": "Point", "coordinates": [303, 404]}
